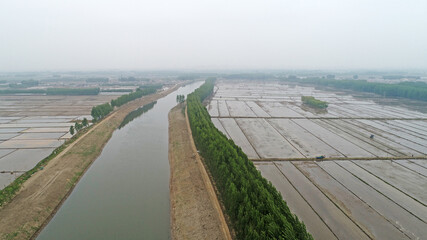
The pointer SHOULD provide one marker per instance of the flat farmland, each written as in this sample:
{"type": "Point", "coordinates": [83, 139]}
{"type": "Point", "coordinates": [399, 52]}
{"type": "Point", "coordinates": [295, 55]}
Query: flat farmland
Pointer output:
{"type": "Point", "coordinates": [372, 183]}
{"type": "Point", "coordinates": [277, 125]}
{"type": "Point", "coordinates": [352, 199]}
{"type": "Point", "coordinates": [32, 126]}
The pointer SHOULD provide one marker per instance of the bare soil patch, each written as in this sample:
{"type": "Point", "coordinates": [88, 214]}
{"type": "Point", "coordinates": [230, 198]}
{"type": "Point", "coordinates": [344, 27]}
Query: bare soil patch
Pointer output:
{"type": "Point", "coordinates": [195, 211]}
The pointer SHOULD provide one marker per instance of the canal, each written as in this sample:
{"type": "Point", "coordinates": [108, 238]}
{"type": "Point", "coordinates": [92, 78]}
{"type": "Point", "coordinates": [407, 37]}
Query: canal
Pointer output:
{"type": "Point", "coordinates": [125, 193]}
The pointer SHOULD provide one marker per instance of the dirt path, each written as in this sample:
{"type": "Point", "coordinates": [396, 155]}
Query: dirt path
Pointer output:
{"type": "Point", "coordinates": [43, 193]}
{"type": "Point", "coordinates": [195, 210]}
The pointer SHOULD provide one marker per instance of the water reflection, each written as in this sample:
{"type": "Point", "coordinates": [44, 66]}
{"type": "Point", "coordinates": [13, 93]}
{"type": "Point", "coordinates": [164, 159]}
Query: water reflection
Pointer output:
{"type": "Point", "coordinates": [136, 113]}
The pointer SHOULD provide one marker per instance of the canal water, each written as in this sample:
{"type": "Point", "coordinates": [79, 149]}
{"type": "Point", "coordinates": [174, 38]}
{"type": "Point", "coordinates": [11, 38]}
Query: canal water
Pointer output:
{"type": "Point", "coordinates": [125, 193]}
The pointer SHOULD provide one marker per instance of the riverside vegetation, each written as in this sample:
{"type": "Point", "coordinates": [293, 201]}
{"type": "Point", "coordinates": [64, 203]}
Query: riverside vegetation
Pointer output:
{"type": "Point", "coordinates": [256, 209]}
{"type": "Point", "coordinates": [102, 110]}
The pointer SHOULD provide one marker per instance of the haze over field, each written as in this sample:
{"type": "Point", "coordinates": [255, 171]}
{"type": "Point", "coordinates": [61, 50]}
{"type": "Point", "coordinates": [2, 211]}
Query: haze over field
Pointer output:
{"type": "Point", "coordinates": [277, 34]}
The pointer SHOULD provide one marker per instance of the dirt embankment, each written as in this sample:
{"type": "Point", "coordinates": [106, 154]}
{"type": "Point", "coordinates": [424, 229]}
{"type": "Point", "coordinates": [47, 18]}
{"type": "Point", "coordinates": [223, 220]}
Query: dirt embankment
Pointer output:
{"type": "Point", "coordinates": [195, 210]}
{"type": "Point", "coordinates": [43, 193]}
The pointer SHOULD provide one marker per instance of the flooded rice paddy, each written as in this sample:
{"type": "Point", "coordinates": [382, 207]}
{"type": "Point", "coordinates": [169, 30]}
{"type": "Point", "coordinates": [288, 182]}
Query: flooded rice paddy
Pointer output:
{"type": "Point", "coordinates": [269, 121]}
{"type": "Point", "coordinates": [349, 201]}
{"type": "Point", "coordinates": [355, 193]}
{"type": "Point", "coordinates": [32, 126]}
{"type": "Point", "coordinates": [125, 193]}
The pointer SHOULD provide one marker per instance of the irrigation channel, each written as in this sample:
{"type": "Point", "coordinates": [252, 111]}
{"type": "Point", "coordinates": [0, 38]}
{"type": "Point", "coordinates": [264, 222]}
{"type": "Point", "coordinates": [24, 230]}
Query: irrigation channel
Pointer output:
{"type": "Point", "coordinates": [125, 193]}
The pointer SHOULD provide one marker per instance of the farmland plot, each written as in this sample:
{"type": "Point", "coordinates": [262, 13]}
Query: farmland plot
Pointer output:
{"type": "Point", "coordinates": [408, 181]}
{"type": "Point", "coordinates": [362, 214]}
{"type": "Point", "coordinates": [266, 140]}
{"type": "Point", "coordinates": [303, 140]}
{"type": "Point", "coordinates": [234, 131]}
{"type": "Point", "coordinates": [405, 221]}
{"type": "Point", "coordinates": [337, 221]}
{"type": "Point", "coordinates": [296, 202]}
{"type": "Point", "coordinates": [239, 109]}
{"type": "Point", "coordinates": [337, 198]}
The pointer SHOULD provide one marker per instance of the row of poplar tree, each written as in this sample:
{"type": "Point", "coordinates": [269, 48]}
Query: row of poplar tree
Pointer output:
{"type": "Point", "coordinates": [256, 209]}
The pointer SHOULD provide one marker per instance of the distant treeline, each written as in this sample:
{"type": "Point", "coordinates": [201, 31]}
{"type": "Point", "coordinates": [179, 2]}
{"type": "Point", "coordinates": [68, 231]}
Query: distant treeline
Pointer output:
{"type": "Point", "coordinates": [136, 113]}
{"type": "Point", "coordinates": [117, 90]}
{"type": "Point", "coordinates": [24, 84]}
{"type": "Point", "coordinates": [72, 91]}
{"type": "Point", "coordinates": [400, 77]}
{"type": "Point", "coordinates": [411, 90]}
{"type": "Point", "coordinates": [133, 79]}
{"type": "Point", "coordinates": [249, 76]}
{"type": "Point", "coordinates": [97, 80]}
{"type": "Point", "coordinates": [132, 96]}
{"type": "Point", "coordinates": [22, 91]}
{"type": "Point", "coordinates": [155, 86]}
{"type": "Point", "coordinates": [312, 102]}
{"type": "Point", "coordinates": [255, 207]}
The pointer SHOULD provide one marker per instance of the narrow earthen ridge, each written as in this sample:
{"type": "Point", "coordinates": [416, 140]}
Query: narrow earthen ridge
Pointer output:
{"type": "Point", "coordinates": [44, 192]}
{"type": "Point", "coordinates": [208, 183]}
{"type": "Point", "coordinates": [195, 210]}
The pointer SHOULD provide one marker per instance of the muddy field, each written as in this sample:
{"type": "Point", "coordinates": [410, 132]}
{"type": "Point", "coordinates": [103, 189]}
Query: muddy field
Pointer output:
{"type": "Point", "coordinates": [363, 189]}
{"type": "Point", "coordinates": [269, 121]}
{"type": "Point", "coordinates": [353, 199]}
{"type": "Point", "coordinates": [32, 126]}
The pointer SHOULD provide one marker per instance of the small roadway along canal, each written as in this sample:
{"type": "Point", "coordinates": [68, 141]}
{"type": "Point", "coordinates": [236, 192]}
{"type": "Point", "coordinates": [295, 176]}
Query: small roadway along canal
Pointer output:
{"type": "Point", "coordinates": [125, 193]}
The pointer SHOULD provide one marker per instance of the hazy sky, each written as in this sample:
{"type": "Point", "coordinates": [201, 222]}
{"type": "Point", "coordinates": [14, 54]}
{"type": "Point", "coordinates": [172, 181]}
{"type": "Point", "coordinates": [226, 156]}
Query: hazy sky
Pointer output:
{"type": "Point", "coordinates": [218, 34]}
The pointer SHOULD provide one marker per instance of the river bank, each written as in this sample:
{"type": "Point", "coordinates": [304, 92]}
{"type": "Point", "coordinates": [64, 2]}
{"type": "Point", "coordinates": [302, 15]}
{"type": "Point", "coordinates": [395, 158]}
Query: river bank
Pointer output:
{"type": "Point", "coordinates": [195, 211]}
{"type": "Point", "coordinates": [43, 193]}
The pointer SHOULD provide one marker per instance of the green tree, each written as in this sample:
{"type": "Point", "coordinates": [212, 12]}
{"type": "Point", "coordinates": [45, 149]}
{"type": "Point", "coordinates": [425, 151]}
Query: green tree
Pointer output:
{"type": "Point", "coordinates": [85, 122]}
{"type": "Point", "coordinates": [77, 126]}
{"type": "Point", "coordinates": [72, 130]}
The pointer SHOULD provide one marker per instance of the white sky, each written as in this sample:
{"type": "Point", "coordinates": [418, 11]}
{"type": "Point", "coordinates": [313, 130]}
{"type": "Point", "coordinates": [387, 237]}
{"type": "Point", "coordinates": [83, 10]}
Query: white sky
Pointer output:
{"type": "Point", "coordinates": [219, 34]}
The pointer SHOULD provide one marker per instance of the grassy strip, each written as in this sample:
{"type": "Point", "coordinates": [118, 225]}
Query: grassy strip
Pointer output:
{"type": "Point", "coordinates": [255, 207]}
{"type": "Point", "coordinates": [7, 193]}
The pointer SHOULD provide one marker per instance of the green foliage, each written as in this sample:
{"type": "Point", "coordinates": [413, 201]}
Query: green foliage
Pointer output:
{"type": "Point", "coordinates": [132, 96]}
{"type": "Point", "coordinates": [22, 91]}
{"type": "Point", "coordinates": [255, 207]}
{"type": "Point", "coordinates": [136, 113]}
{"type": "Point", "coordinates": [180, 98]}
{"type": "Point", "coordinates": [411, 90]}
{"type": "Point", "coordinates": [155, 86]}
{"type": "Point", "coordinates": [312, 102]}
{"type": "Point", "coordinates": [117, 90]}
{"type": "Point", "coordinates": [72, 91]}
{"type": "Point", "coordinates": [78, 126]}
{"type": "Point", "coordinates": [72, 130]}
{"type": "Point", "coordinates": [85, 122]}
{"type": "Point", "coordinates": [101, 111]}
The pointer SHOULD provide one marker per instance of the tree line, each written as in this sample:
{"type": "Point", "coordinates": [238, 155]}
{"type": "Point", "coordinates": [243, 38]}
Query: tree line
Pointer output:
{"type": "Point", "coordinates": [72, 91]}
{"type": "Point", "coordinates": [133, 95]}
{"type": "Point", "coordinates": [313, 102]}
{"type": "Point", "coordinates": [255, 207]}
{"type": "Point", "coordinates": [103, 110]}
{"type": "Point", "coordinates": [411, 90]}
